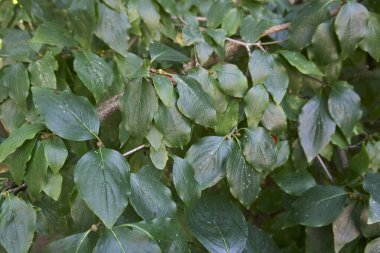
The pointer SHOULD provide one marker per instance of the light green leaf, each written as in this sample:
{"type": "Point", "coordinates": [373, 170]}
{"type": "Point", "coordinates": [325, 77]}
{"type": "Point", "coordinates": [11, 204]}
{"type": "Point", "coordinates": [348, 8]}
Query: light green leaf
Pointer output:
{"type": "Point", "coordinates": [260, 66]}
{"type": "Point", "coordinates": [187, 187]}
{"type": "Point", "coordinates": [94, 72]}
{"type": "Point", "coordinates": [53, 186]}
{"type": "Point", "coordinates": [81, 15]}
{"type": "Point", "coordinates": [344, 107]}
{"type": "Point", "coordinates": [17, 138]}
{"type": "Point", "coordinates": [155, 137]}
{"type": "Point", "coordinates": [371, 41]}
{"type": "Point", "coordinates": [138, 105]}
{"type": "Point", "coordinates": [371, 184]}
{"type": "Point", "coordinates": [159, 157]}
{"type": "Point", "coordinates": [258, 241]}
{"type": "Point", "coordinates": [231, 21]}
{"type": "Point", "coordinates": [259, 149]}
{"type": "Point", "coordinates": [256, 102]}
{"type": "Point", "coordinates": [218, 224]}
{"type": "Point", "coordinates": [283, 152]}
{"type": "Point", "coordinates": [307, 208]}
{"type": "Point", "coordinates": [215, 12]}
{"type": "Point", "coordinates": [227, 120]}
{"type": "Point", "coordinates": [315, 127]}
{"type": "Point", "coordinates": [77, 243]}
{"type": "Point", "coordinates": [204, 51]}
{"type": "Point", "coordinates": [112, 27]}
{"type": "Point", "coordinates": [164, 89]}
{"type": "Point", "coordinates": [131, 66]}
{"type": "Point", "coordinates": [54, 34]}
{"type": "Point", "coordinates": [17, 223]}
{"type": "Point", "coordinates": [124, 240]}
{"type": "Point", "coordinates": [277, 82]}
{"type": "Point", "coordinates": [351, 26]}
{"type": "Point", "coordinates": [274, 119]}
{"type": "Point", "coordinates": [297, 60]}
{"type": "Point", "coordinates": [102, 180]}
{"type": "Point", "coordinates": [191, 35]}
{"type": "Point", "coordinates": [15, 78]}
{"type": "Point", "coordinates": [36, 176]}
{"type": "Point", "coordinates": [55, 153]}
{"type": "Point", "coordinates": [150, 198]}
{"type": "Point", "coordinates": [69, 116]}
{"type": "Point", "coordinates": [252, 28]}
{"type": "Point", "coordinates": [293, 181]}
{"type": "Point", "coordinates": [231, 80]}
{"type": "Point", "coordinates": [149, 14]}
{"type": "Point", "coordinates": [243, 180]}
{"type": "Point", "coordinates": [161, 52]}
{"type": "Point", "coordinates": [194, 102]}
{"type": "Point", "coordinates": [208, 157]}
{"type": "Point", "coordinates": [173, 125]}
{"type": "Point", "coordinates": [42, 72]}
{"type": "Point", "coordinates": [373, 246]}
{"type": "Point", "coordinates": [325, 48]}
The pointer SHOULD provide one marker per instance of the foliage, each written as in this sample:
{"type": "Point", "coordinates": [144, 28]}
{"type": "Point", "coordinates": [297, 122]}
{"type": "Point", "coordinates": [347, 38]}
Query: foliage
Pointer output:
{"type": "Point", "coordinates": [189, 126]}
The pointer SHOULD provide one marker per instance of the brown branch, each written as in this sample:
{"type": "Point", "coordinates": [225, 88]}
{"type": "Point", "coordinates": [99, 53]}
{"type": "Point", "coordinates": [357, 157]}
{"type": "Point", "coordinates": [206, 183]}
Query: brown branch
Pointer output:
{"type": "Point", "coordinates": [109, 106]}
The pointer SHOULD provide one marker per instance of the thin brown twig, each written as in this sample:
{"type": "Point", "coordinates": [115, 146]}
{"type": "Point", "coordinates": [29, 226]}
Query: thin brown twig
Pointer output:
{"type": "Point", "coordinates": [133, 150]}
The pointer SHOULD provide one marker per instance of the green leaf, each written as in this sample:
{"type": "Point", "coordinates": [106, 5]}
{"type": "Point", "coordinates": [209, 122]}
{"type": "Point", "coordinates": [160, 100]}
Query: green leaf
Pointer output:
{"type": "Point", "coordinates": [260, 66]}
{"type": "Point", "coordinates": [344, 107]}
{"type": "Point", "coordinates": [231, 21]}
{"type": "Point", "coordinates": [218, 224]}
{"type": "Point", "coordinates": [292, 105]}
{"type": "Point", "coordinates": [94, 72]}
{"type": "Point", "coordinates": [15, 78]}
{"type": "Point", "coordinates": [319, 239]}
{"type": "Point", "coordinates": [259, 149]}
{"type": "Point", "coordinates": [150, 198]}
{"type": "Point", "coordinates": [371, 41]}
{"type": "Point", "coordinates": [187, 187]}
{"type": "Point", "coordinates": [78, 243]}
{"type": "Point", "coordinates": [283, 152]}
{"type": "Point", "coordinates": [243, 180]}
{"type": "Point", "coordinates": [18, 160]}
{"type": "Point", "coordinates": [231, 80]}
{"type": "Point", "coordinates": [161, 52]}
{"type": "Point", "coordinates": [102, 180]}
{"type": "Point", "coordinates": [54, 34]}
{"type": "Point", "coordinates": [215, 12]}
{"type": "Point", "coordinates": [358, 164]}
{"type": "Point", "coordinates": [204, 51]}
{"type": "Point", "coordinates": [351, 26]}
{"type": "Point", "coordinates": [69, 116]}
{"type": "Point", "coordinates": [55, 153]}
{"type": "Point", "coordinates": [17, 223]}
{"type": "Point", "coordinates": [159, 157]}
{"type": "Point", "coordinates": [193, 102]}
{"type": "Point", "coordinates": [228, 119]}
{"type": "Point", "coordinates": [167, 232]}
{"type": "Point", "coordinates": [297, 60]}
{"type": "Point", "coordinates": [307, 208]}
{"type": "Point", "coordinates": [256, 102]}
{"type": "Point", "coordinates": [325, 46]}
{"type": "Point", "coordinates": [293, 181]}
{"type": "Point", "coordinates": [208, 157]}
{"type": "Point", "coordinates": [373, 246]}
{"type": "Point", "coordinates": [258, 241]}
{"type": "Point", "coordinates": [112, 27]}
{"type": "Point", "coordinates": [81, 15]}
{"type": "Point", "coordinates": [274, 119]}
{"type": "Point", "coordinates": [164, 89]}
{"type": "Point", "coordinates": [277, 82]}
{"type": "Point", "coordinates": [138, 105]}
{"type": "Point", "coordinates": [53, 186]}
{"type": "Point", "coordinates": [17, 138]}
{"type": "Point", "coordinates": [149, 14]}
{"type": "Point", "coordinates": [124, 240]}
{"type": "Point", "coordinates": [42, 72]}
{"type": "Point", "coordinates": [371, 184]}
{"type": "Point", "coordinates": [173, 125]}
{"type": "Point", "coordinates": [155, 138]}
{"type": "Point", "coordinates": [252, 28]}
{"type": "Point", "coordinates": [315, 127]}
{"type": "Point", "coordinates": [345, 228]}
{"type": "Point", "coordinates": [36, 176]}
{"type": "Point", "coordinates": [191, 35]}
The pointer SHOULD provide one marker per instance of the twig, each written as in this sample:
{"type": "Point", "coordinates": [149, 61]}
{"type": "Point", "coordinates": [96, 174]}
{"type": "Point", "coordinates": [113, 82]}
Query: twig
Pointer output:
{"type": "Point", "coordinates": [132, 42]}
{"type": "Point", "coordinates": [19, 188]}
{"type": "Point", "coordinates": [325, 169]}
{"type": "Point", "coordinates": [133, 150]}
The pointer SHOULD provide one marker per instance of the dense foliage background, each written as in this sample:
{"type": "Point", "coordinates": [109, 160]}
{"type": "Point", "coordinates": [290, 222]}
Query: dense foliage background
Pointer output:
{"type": "Point", "coordinates": [189, 126]}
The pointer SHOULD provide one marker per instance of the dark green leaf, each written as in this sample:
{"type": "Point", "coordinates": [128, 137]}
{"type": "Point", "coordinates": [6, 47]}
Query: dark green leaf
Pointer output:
{"type": "Point", "coordinates": [151, 198]}
{"type": "Point", "coordinates": [53, 185]}
{"type": "Point", "coordinates": [277, 82]}
{"type": "Point", "coordinates": [17, 223]}
{"type": "Point", "coordinates": [351, 26]}
{"type": "Point", "coordinates": [258, 241]}
{"type": "Point", "coordinates": [164, 89]}
{"type": "Point", "coordinates": [102, 180]}
{"type": "Point", "coordinates": [274, 119]}
{"type": "Point", "coordinates": [69, 116]}
{"type": "Point", "coordinates": [371, 184]}
{"type": "Point", "coordinates": [260, 66]}
{"type": "Point", "coordinates": [231, 20]}
{"type": "Point", "coordinates": [208, 157]}
{"type": "Point", "coordinates": [259, 149]}
{"type": "Point", "coordinates": [36, 176]}
{"type": "Point", "coordinates": [227, 120]}
{"type": "Point", "coordinates": [54, 34]}
{"type": "Point", "coordinates": [193, 102]}
{"type": "Point", "coordinates": [292, 105]}
{"type": "Point", "coordinates": [307, 208]}
{"type": "Point", "coordinates": [319, 240]}
{"type": "Point", "coordinates": [294, 181]}
{"type": "Point", "coordinates": [244, 181]}
{"type": "Point", "coordinates": [315, 127]}
{"type": "Point", "coordinates": [55, 153]}
{"type": "Point", "coordinates": [42, 72]}
{"type": "Point", "coordinates": [231, 80]}
{"type": "Point", "coordinates": [94, 72]}
{"type": "Point", "coordinates": [123, 240]}
{"type": "Point", "coordinates": [161, 52]}
{"type": "Point", "coordinates": [358, 164]}
{"type": "Point", "coordinates": [256, 102]}
{"type": "Point", "coordinates": [112, 27]}
{"type": "Point", "coordinates": [300, 62]}
{"type": "Point", "coordinates": [218, 224]}
{"type": "Point", "coordinates": [138, 106]}
{"type": "Point", "coordinates": [252, 28]}
{"type": "Point", "coordinates": [187, 187]}
{"type": "Point", "coordinates": [345, 228]}
{"type": "Point", "coordinates": [77, 243]}
{"type": "Point", "coordinates": [215, 12]}
{"type": "Point", "coordinates": [325, 46]}
{"type": "Point", "coordinates": [371, 41]}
